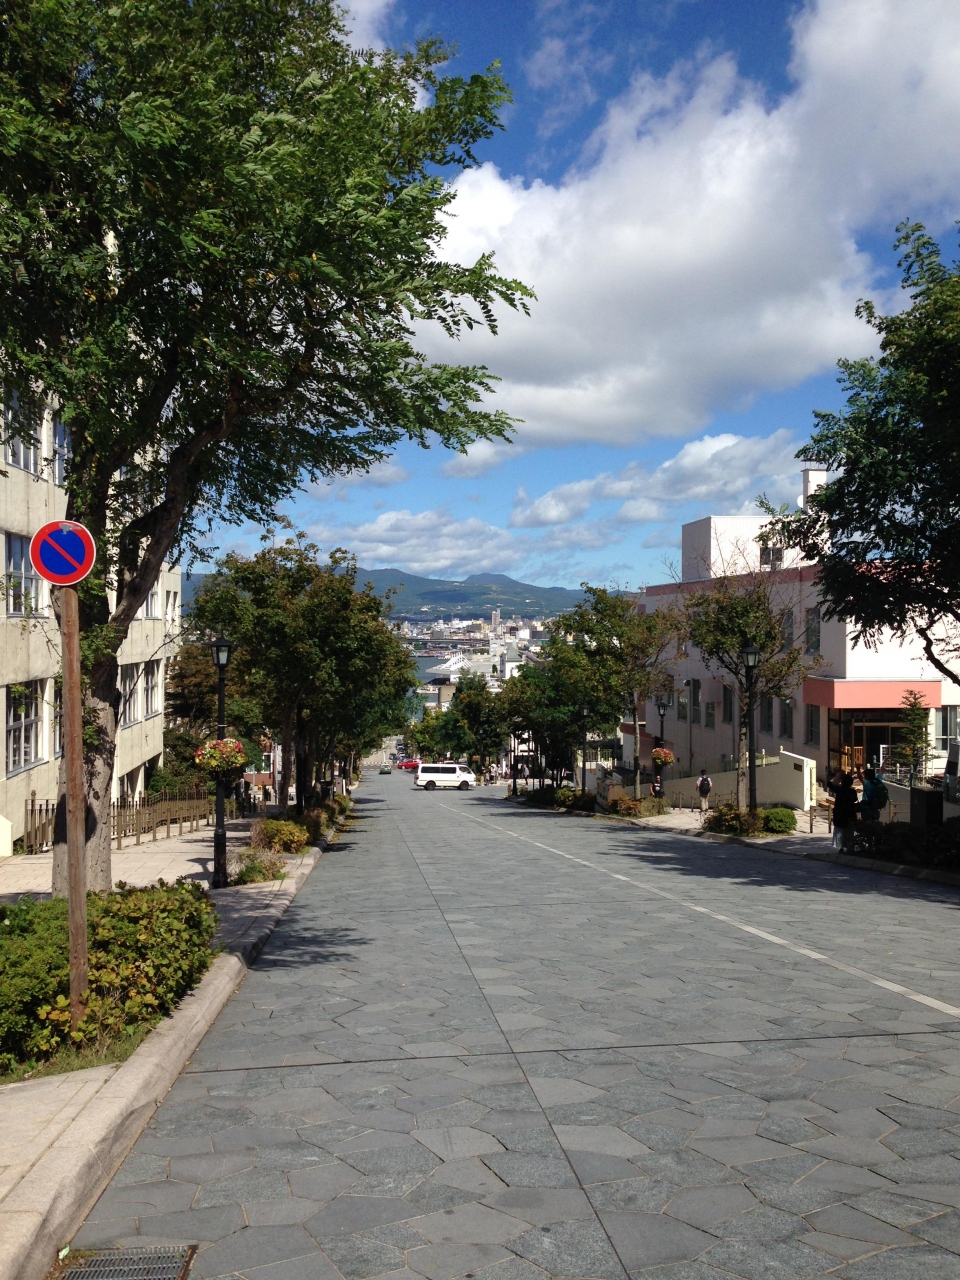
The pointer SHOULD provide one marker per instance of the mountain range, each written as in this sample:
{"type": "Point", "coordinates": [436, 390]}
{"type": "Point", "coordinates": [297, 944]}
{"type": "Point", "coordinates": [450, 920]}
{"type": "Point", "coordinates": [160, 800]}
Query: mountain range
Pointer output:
{"type": "Point", "coordinates": [415, 597]}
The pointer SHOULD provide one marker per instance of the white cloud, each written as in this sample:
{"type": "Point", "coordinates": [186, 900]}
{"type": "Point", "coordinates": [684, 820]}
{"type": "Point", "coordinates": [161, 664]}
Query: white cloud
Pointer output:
{"type": "Point", "coordinates": [705, 249]}
{"type": "Point", "coordinates": [480, 457]}
{"type": "Point", "coordinates": [428, 542]}
{"type": "Point", "coordinates": [382, 475]}
{"type": "Point", "coordinates": [725, 471]}
{"type": "Point", "coordinates": [364, 20]}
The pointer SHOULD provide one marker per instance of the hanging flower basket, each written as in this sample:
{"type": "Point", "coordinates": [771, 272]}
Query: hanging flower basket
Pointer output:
{"type": "Point", "coordinates": [223, 758]}
{"type": "Point", "coordinates": [662, 756]}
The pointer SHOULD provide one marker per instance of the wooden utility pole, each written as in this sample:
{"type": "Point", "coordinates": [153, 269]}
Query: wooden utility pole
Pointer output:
{"type": "Point", "coordinates": [76, 800]}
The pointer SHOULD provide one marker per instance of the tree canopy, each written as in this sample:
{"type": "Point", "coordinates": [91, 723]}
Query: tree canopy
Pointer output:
{"type": "Point", "coordinates": [886, 528]}
{"type": "Point", "coordinates": [220, 231]}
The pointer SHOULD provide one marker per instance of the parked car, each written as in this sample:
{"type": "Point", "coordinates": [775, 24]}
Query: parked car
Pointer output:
{"type": "Point", "coordinates": [408, 764]}
{"type": "Point", "coordinates": [431, 776]}
{"type": "Point", "coordinates": [385, 768]}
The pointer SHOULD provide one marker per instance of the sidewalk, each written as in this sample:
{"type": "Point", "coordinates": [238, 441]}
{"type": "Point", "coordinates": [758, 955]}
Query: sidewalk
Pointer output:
{"type": "Point", "coordinates": [190, 856]}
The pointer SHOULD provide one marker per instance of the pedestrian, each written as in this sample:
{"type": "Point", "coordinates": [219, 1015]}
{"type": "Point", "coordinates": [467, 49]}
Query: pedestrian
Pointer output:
{"type": "Point", "coordinates": [875, 798]}
{"type": "Point", "coordinates": [844, 811]}
{"type": "Point", "coordinates": [656, 788]}
{"type": "Point", "coordinates": [704, 787]}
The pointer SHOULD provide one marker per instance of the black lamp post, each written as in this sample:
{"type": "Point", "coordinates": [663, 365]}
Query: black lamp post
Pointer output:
{"type": "Point", "coordinates": [751, 657]}
{"type": "Point", "coordinates": [220, 649]}
{"type": "Point", "coordinates": [584, 712]}
{"type": "Point", "coordinates": [664, 703]}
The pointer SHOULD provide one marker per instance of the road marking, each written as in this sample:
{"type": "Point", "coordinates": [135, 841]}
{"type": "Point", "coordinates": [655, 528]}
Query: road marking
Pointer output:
{"type": "Point", "coordinates": [895, 987]}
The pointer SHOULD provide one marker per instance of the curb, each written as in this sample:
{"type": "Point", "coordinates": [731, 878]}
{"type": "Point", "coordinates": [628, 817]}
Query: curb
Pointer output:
{"type": "Point", "coordinates": [49, 1205]}
{"type": "Point", "coordinates": [927, 875]}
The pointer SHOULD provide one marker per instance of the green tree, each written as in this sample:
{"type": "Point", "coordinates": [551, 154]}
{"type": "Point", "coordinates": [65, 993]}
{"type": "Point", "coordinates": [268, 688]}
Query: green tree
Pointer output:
{"type": "Point", "coordinates": [735, 612]}
{"type": "Point", "coordinates": [913, 745]}
{"type": "Point", "coordinates": [625, 650]}
{"type": "Point", "coordinates": [478, 711]}
{"type": "Point", "coordinates": [314, 653]}
{"type": "Point", "coordinates": [219, 231]}
{"type": "Point", "coordinates": [884, 531]}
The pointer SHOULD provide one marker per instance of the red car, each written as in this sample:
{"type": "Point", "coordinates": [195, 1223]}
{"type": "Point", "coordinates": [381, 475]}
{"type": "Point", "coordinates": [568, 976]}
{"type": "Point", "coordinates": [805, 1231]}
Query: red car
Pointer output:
{"type": "Point", "coordinates": [408, 764]}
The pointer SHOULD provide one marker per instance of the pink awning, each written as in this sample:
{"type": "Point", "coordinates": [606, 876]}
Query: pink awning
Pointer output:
{"type": "Point", "coordinates": [867, 695]}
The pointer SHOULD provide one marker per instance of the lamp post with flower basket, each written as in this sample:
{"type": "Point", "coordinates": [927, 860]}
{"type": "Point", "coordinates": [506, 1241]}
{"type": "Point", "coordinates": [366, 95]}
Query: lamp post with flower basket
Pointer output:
{"type": "Point", "coordinates": [221, 758]}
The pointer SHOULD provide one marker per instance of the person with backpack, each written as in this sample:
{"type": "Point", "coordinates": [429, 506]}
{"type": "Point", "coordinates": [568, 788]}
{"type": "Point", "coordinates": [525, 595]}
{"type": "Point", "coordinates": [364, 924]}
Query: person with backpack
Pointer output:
{"type": "Point", "coordinates": [845, 806]}
{"type": "Point", "coordinates": [875, 797]}
{"type": "Point", "coordinates": [704, 787]}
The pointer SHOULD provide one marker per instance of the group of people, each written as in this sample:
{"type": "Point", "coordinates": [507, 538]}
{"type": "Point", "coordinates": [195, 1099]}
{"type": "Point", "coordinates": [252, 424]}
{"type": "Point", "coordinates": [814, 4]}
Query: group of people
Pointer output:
{"type": "Point", "coordinates": [848, 806]}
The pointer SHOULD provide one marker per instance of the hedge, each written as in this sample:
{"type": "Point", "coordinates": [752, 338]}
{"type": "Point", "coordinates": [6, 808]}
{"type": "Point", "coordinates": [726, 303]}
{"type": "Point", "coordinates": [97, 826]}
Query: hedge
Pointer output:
{"type": "Point", "coordinates": [147, 949]}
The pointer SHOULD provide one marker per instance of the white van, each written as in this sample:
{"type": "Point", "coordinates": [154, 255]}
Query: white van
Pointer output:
{"type": "Point", "coordinates": [431, 776]}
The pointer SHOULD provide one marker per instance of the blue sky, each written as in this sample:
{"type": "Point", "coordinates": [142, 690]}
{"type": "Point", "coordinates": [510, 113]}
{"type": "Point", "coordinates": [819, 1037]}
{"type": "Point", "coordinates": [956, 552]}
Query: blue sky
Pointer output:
{"type": "Point", "coordinates": [699, 191]}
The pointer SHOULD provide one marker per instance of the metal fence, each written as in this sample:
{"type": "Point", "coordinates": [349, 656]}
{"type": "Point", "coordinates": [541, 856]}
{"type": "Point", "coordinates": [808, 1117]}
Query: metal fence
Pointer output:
{"type": "Point", "coordinates": [149, 817]}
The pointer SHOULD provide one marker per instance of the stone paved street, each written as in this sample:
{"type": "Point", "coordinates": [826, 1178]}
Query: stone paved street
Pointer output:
{"type": "Point", "coordinates": [493, 1042]}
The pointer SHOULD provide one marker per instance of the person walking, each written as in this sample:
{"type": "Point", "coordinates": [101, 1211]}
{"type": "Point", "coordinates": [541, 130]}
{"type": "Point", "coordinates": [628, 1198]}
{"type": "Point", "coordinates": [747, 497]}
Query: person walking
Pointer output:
{"type": "Point", "coordinates": [845, 807]}
{"type": "Point", "coordinates": [875, 797]}
{"type": "Point", "coordinates": [704, 787]}
{"type": "Point", "coordinates": [656, 788]}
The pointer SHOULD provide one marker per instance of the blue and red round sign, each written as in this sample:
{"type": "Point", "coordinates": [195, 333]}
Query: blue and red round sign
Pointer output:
{"type": "Point", "coordinates": [63, 552]}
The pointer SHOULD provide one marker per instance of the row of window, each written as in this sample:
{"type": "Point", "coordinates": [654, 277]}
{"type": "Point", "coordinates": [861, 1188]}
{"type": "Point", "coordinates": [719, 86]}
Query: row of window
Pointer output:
{"type": "Point", "coordinates": [811, 630]}
{"type": "Point", "coordinates": [141, 696]}
{"type": "Point", "coordinates": [22, 429]}
{"type": "Point", "coordinates": [25, 594]}
{"type": "Point", "coordinates": [690, 709]}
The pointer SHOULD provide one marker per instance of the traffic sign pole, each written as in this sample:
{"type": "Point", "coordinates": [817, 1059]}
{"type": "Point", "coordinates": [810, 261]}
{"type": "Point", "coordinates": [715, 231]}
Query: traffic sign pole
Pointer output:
{"type": "Point", "coordinates": [76, 800]}
{"type": "Point", "coordinates": [62, 553]}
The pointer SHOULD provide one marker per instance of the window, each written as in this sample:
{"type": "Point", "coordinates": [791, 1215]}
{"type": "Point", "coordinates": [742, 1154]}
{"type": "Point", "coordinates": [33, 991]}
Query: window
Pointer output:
{"type": "Point", "coordinates": [946, 726]}
{"type": "Point", "coordinates": [170, 610]}
{"type": "Point", "coordinates": [727, 704]}
{"type": "Point", "coordinates": [683, 705]}
{"type": "Point", "coordinates": [766, 714]}
{"type": "Point", "coordinates": [151, 689]}
{"type": "Point", "coordinates": [21, 431]}
{"type": "Point", "coordinates": [57, 717]}
{"type": "Point", "coordinates": [771, 557]}
{"type": "Point", "coordinates": [150, 604]}
{"type": "Point", "coordinates": [24, 710]}
{"type": "Point", "coordinates": [61, 451]}
{"type": "Point", "coordinates": [23, 585]}
{"type": "Point", "coordinates": [695, 701]}
{"type": "Point", "coordinates": [812, 630]}
{"type": "Point", "coordinates": [812, 734]}
{"type": "Point", "coordinates": [710, 715]}
{"type": "Point", "coordinates": [786, 718]}
{"type": "Point", "coordinates": [129, 711]}
{"type": "Point", "coordinates": [786, 631]}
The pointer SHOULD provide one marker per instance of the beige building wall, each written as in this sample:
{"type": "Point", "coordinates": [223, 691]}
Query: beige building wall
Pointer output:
{"type": "Point", "coordinates": [30, 496]}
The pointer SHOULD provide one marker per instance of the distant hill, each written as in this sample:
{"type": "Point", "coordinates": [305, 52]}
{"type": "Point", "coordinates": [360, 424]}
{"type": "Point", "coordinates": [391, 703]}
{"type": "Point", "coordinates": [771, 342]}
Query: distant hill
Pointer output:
{"type": "Point", "coordinates": [428, 598]}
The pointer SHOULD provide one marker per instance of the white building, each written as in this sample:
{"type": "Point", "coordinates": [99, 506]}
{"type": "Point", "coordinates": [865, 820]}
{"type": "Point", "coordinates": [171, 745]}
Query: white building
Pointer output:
{"type": "Point", "coordinates": [31, 494]}
{"type": "Point", "coordinates": [846, 714]}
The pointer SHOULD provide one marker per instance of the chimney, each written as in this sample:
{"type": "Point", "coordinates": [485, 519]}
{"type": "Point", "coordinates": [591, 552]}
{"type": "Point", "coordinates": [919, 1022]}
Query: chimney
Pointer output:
{"type": "Point", "coordinates": [814, 478]}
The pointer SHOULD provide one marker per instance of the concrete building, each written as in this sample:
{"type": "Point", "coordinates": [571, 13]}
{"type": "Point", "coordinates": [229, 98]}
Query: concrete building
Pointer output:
{"type": "Point", "coordinates": [31, 494]}
{"type": "Point", "coordinates": [846, 715]}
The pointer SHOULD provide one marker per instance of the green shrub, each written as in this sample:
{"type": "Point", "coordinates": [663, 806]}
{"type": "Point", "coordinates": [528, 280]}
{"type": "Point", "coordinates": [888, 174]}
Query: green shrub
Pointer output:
{"type": "Point", "coordinates": [147, 949]}
{"type": "Point", "coordinates": [258, 865]}
{"type": "Point", "coordinates": [730, 820]}
{"type": "Point", "coordinates": [934, 847]}
{"type": "Point", "coordinates": [564, 796]}
{"type": "Point", "coordinates": [646, 807]}
{"type": "Point", "coordinates": [779, 820]}
{"type": "Point", "coordinates": [277, 836]}
{"type": "Point", "coordinates": [343, 803]}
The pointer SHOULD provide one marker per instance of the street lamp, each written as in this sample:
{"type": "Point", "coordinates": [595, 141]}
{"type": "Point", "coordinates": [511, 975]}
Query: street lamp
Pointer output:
{"type": "Point", "coordinates": [584, 712]}
{"type": "Point", "coordinates": [220, 651]}
{"type": "Point", "coordinates": [751, 658]}
{"type": "Point", "coordinates": [664, 702]}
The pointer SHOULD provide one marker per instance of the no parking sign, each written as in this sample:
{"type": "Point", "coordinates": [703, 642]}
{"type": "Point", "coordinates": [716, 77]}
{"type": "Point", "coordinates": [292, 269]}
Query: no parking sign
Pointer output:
{"type": "Point", "coordinates": [63, 552]}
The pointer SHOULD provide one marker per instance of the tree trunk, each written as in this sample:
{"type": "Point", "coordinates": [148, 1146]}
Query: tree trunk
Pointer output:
{"type": "Point", "coordinates": [287, 763]}
{"type": "Point", "coordinates": [101, 704]}
{"type": "Point", "coordinates": [743, 782]}
{"type": "Point", "coordinates": [636, 748]}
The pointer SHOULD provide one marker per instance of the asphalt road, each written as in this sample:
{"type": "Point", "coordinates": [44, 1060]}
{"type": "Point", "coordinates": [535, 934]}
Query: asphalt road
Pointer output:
{"type": "Point", "coordinates": [492, 1042]}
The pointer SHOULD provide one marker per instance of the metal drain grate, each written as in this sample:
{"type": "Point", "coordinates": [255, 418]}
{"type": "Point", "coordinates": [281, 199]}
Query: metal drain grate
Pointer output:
{"type": "Point", "coordinates": [168, 1263]}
